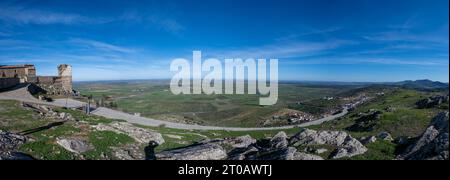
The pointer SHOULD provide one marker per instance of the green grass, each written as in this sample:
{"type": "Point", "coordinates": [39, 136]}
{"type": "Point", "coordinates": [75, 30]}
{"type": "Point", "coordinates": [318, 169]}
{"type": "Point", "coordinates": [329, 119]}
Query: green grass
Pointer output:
{"type": "Point", "coordinates": [15, 118]}
{"type": "Point", "coordinates": [405, 121]}
{"type": "Point", "coordinates": [379, 150]}
{"type": "Point", "coordinates": [154, 100]}
{"type": "Point", "coordinates": [103, 141]}
{"type": "Point", "coordinates": [192, 136]}
{"type": "Point", "coordinates": [46, 150]}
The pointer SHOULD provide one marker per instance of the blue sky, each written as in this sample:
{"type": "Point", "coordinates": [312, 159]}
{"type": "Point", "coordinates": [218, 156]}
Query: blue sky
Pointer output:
{"type": "Point", "coordinates": [319, 40]}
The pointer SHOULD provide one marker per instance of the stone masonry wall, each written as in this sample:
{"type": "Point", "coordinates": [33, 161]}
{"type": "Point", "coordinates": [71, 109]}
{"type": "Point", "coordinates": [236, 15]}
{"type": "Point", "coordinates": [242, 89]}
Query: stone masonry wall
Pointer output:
{"type": "Point", "coordinates": [8, 82]}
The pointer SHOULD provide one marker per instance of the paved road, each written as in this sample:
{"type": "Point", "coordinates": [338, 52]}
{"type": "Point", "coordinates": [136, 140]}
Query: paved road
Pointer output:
{"type": "Point", "coordinates": [23, 95]}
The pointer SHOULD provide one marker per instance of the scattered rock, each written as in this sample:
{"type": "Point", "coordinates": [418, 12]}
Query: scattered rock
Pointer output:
{"type": "Point", "coordinates": [385, 136]}
{"type": "Point", "coordinates": [65, 116]}
{"type": "Point", "coordinates": [347, 145]}
{"type": "Point", "coordinates": [74, 145]}
{"type": "Point", "coordinates": [289, 153]}
{"type": "Point", "coordinates": [139, 134]}
{"type": "Point", "coordinates": [209, 151]}
{"type": "Point", "coordinates": [10, 141]}
{"type": "Point", "coordinates": [235, 142]}
{"type": "Point", "coordinates": [350, 147]}
{"type": "Point", "coordinates": [243, 153]}
{"type": "Point", "coordinates": [431, 102]}
{"type": "Point", "coordinates": [174, 136]}
{"type": "Point", "coordinates": [320, 150]}
{"type": "Point", "coordinates": [433, 143]}
{"type": "Point", "coordinates": [312, 137]}
{"type": "Point", "coordinates": [129, 152]}
{"type": "Point", "coordinates": [390, 109]}
{"type": "Point", "coordinates": [8, 155]}
{"type": "Point", "coordinates": [402, 140]}
{"type": "Point", "coordinates": [305, 156]}
{"type": "Point", "coordinates": [366, 122]}
{"type": "Point", "coordinates": [279, 154]}
{"type": "Point", "coordinates": [368, 140]}
{"type": "Point", "coordinates": [279, 141]}
{"type": "Point", "coordinates": [46, 111]}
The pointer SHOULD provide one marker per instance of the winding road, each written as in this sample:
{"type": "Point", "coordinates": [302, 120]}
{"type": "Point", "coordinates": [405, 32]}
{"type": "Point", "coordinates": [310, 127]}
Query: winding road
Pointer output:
{"type": "Point", "coordinates": [22, 94]}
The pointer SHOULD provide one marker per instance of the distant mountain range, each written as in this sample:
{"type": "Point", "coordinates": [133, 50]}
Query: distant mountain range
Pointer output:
{"type": "Point", "coordinates": [423, 84]}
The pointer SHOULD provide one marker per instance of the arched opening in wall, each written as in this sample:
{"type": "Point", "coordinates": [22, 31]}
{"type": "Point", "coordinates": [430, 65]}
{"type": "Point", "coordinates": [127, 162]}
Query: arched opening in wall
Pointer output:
{"type": "Point", "coordinates": [3, 74]}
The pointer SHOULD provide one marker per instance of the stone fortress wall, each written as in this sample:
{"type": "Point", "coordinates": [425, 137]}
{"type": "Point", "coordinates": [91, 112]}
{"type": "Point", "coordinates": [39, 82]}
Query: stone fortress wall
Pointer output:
{"type": "Point", "coordinates": [9, 82]}
{"type": "Point", "coordinates": [18, 74]}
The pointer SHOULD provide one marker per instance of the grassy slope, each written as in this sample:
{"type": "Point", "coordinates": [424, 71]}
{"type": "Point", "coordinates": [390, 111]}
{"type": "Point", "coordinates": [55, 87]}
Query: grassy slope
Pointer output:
{"type": "Point", "coordinates": [43, 145]}
{"type": "Point", "coordinates": [404, 121]}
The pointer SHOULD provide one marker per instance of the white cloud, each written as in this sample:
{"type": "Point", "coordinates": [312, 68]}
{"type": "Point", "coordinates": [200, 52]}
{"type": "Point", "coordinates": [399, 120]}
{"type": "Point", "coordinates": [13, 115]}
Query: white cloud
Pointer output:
{"type": "Point", "coordinates": [100, 45]}
{"type": "Point", "coordinates": [371, 60]}
{"type": "Point", "coordinates": [165, 23]}
{"type": "Point", "coordinates": [313, 31]}
{"type": "Point", "coordinates": [280, 50]}
{"type": "Point", "coordinates": [407, 37]}
{"type": "Point", "coordinates": [22, 15]}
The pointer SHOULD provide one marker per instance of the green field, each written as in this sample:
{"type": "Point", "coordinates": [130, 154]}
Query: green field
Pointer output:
{"type": "Point", "coordinates": [153, 99]}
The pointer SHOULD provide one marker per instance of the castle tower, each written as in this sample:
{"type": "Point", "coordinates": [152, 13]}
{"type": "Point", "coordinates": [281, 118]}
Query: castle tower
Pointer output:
{"type": "Point", "coordinates": [65, 73]}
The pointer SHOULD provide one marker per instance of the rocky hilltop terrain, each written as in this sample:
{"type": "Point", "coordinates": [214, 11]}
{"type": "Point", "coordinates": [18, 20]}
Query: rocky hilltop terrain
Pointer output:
{"type": "Point", "coordinates": [433, 143]}
{"type": "Point", "coordinates": [306, 144]}
{"type": "Point", "coordinates": [396, 124]}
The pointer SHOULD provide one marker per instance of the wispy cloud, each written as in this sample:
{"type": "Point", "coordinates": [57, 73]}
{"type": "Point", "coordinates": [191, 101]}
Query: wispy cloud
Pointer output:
{"type": "Point", "coordinates": [372, 60]}
{"type": "Point", "coordinates": [22, 15]}
{"type": "Point", "coordinates": [281, 50]}
{"type": "Point", "coordinates": [161, 21]}
{"type": "Point", "coordinates": [406, 37]}
{"type": "Point", "coordinates": [88, 43]}
{"type": "Point", "coordinates": [74, 50]}
{"type": "Point", "coordinates": [312, 31]}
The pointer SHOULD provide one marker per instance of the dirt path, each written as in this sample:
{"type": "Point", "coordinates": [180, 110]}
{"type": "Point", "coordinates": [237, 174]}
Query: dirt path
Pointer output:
{"type": "Point", "coordinates": [23, 95]}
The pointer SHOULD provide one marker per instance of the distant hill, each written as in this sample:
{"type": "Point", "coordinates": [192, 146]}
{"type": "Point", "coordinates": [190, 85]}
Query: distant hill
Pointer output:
{"type": "Point", "coordinates": [423, 84]}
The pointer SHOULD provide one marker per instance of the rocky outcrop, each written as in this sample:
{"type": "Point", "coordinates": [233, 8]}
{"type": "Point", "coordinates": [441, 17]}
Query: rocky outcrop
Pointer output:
{"type": "Point", "coordinates": [243, 153]}
{"type": "Point", "coordinates": [366, 122]}
{"type": "Point", "coordinates": [209, 151]}
{"type": "Point", "coordinates": [385, 136]}
{"type": "Point", "coordinates": [278, 154]}
{"type": "Point", "coordinates": [48, 112]}
{"type": "Point", "coordinates": [305, 156]}
{"type": "Point", "coordinates": [141, 135]}
{"type": "Point", "coordinates": [278, 147]}
{"type": "Point", "coordinates": [368, 140]}
{"type": "Point", "coordinates": [279, 141]}
{"type": "Point", "coordinates": [288, 153]}
{"type": "Point", "coordinates": [74, 145]}
{"type": "Point", "coordinates": [129, 152]}
{"type": "Point", "coordinates": [9, 155]}
{"type": "Point", "coordinates": [9, 142]}
{"type": "Point", "coordinates": [235, 142]}
{"type": "Point", "coordinates": [347, 146]}
{"type": "Point", "coordinates": [433, 143]}
{"type": "Point", "coordinates": [431, 102]}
